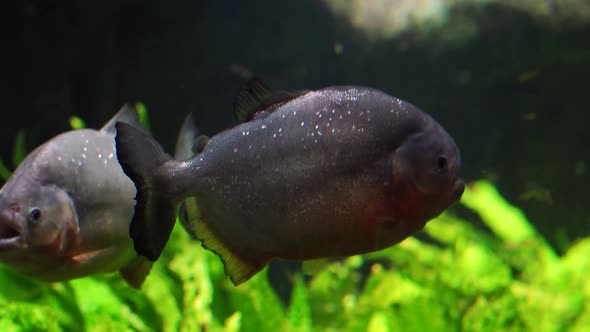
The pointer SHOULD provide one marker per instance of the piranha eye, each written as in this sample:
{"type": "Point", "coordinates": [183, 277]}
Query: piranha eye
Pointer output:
{"type": "Point", "coordinates": [441, 163]}
{"type": "Point", "coordinates": [35, 214]}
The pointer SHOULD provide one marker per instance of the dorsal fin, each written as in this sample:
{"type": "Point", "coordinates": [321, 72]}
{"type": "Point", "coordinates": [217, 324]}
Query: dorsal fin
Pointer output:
{"type": "Point", "coordinates": [188, 143]}
{"type": "Point", "coordinates": [256, 96]}
{"type": "Point", "coordinates": [126, 114]}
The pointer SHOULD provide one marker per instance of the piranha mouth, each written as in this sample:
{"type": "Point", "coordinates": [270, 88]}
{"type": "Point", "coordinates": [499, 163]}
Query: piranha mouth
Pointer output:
{"type": "Point", "coordinates": [10, 236]}
{"type": "Point", "coordinates": [457, 190]}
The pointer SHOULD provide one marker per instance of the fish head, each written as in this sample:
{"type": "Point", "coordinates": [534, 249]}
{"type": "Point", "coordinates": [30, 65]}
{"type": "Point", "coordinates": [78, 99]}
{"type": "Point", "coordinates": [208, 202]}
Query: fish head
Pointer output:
{"type": "Point", "coordinates": [38, 224]}
{"type": "Point", "coordinates": [425, 169]}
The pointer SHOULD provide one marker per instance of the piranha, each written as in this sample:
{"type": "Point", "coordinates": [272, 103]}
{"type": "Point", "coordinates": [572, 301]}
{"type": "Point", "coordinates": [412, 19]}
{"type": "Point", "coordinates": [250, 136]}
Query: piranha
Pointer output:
{"type": "Point", "coordinates": [307, 175]}
{"type": "Point", "coordinates": [65, 211]}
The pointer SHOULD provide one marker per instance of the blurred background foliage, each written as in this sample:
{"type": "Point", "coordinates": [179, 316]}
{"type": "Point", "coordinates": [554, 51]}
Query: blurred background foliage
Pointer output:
{"type": "Point", "coordinates": [454, 277]}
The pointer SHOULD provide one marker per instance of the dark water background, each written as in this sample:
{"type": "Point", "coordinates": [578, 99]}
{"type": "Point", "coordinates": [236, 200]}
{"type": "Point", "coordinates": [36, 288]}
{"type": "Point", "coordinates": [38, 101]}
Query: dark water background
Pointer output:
{"type": "Point", "coordinates": [514, 97]}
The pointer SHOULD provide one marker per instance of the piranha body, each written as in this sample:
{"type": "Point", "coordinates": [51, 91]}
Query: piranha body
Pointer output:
{"type": "Point", "coordinates": [312, 174]}
{"type": "Point", "coordinates": [65, 211]}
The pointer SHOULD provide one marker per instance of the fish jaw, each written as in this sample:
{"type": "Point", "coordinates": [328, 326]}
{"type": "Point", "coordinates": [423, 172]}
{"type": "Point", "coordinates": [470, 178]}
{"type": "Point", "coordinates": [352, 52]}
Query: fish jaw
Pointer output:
{"type": "Point", "coordinates": [11, 231]}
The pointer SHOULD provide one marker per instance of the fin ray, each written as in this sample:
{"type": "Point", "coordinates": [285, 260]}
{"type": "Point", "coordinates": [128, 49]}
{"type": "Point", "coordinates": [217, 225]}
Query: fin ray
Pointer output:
{"type": "Point", "coordinates": [256, 96]}
{"type": "Point", "coordinates": [136, 272]}
{"type": "Point", "coordinates": [239, 269]}
{"type": "Point", "coordinates": [126, 114]}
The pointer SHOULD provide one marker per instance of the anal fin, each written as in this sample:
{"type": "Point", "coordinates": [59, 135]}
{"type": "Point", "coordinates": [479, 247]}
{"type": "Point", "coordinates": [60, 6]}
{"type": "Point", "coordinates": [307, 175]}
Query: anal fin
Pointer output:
{"type": "Point", "coordinates": [136, 271]}
{"type": "Point", "coordinates": [238, 268]}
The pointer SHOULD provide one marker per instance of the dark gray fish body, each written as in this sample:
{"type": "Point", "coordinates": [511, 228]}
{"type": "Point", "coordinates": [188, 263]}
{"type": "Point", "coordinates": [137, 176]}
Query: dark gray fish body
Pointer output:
{"type": "Point", "coordinates": [334, 172]}
{"type": "Point", "coordinates": [66, 210]}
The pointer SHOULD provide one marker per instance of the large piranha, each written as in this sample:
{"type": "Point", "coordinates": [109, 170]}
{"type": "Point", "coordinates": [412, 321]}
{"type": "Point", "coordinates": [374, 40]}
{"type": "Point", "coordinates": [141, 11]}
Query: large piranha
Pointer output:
{"type": "Point", "coordinates": [311, 174]}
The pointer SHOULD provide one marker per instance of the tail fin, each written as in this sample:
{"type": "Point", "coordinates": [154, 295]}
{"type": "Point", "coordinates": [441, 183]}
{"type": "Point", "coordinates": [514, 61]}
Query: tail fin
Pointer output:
{"type": "Point", "coordinates": [140, 157]}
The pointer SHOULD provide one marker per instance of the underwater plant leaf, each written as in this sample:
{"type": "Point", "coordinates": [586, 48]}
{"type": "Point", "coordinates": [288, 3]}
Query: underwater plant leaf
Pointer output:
{"type": "Point", "coordinates": [380, 292]}
{"type": "Point", "coordinates": [505, 220]}
{"type": "Point", "coordinates": [509, 223]}
{"type": "Point", "coordinates": [19, 151]}
{"type": "Point", "coordinates": [449, 229]}
{"type": "Point", "coordinates": [197, 292]}
{"type": "Point", "coordinates": [379, 322]}
{"type": "Point", "coordinates": [76, 122]}
{"type": "Point", "coordinates": [476, 269]}
{"type": "Point", "coordinates": [299, 309]}
{"type": "Point", "coordinates": [103, 310]}
{"type": "Point", "coordinates": [143, 115]}
{"type": "Point", "coordinates": [233, 323]}
{"type": "Point", "coordinates": [4, 171]}
{"type": "Point", "coordinates": [492, 314]}
{"type": "Point", "coordinates": [258, 304]}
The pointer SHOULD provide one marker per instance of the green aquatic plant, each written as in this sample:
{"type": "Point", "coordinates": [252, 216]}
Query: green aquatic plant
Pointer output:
{"type": "Point", "coordinates": [19, 152]}
{"type": "Point", "coordinates": [458, 278]}
{"type": "Point", "coordinates": [453, 276]}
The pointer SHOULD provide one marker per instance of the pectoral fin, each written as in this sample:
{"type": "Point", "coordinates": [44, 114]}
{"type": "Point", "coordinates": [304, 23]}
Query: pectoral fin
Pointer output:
{"type": "Point", "coordinates": [136, 271]}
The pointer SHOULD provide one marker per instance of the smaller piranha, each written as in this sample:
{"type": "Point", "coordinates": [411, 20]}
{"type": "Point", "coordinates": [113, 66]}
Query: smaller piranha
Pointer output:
{"type": "Point", "coordinates": [65, 211]}
{"type": "Point", "coordinates": [307, 175]}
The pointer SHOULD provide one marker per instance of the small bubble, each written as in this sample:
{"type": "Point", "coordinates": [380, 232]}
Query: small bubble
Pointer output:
{"type": "Point", "coordinates": [99, 155]}
{"type": "Point", "coordinates": [349, 112]}
{"type": "Point", "coordinates": [263, 127]}
{"type": "Point", "coordinates": [280, 129]}
{"type": "Point", "coordinates": [302, 123]}
{"type": "Point", "coordinates": [85, 149]}
{"type": "Point", "coordinates": [317, 126]}
{"type": "Point", "coordinates": [83, 156]}
{"type": "Point", "coordinates": [274, 135]}
{"type": "Point", "coordinates": [110, 156]}
{"type": "Point", "coordinates": [235, 149]}
{"type": "Point", "coordinates": [59, 158]}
